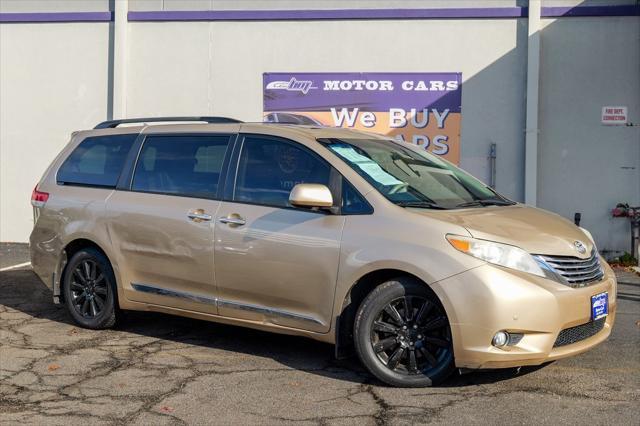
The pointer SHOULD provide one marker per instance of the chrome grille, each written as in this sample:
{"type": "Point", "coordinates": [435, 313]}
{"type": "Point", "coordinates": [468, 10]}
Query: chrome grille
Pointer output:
{"type": "Point", "coordinates": [574, 271]}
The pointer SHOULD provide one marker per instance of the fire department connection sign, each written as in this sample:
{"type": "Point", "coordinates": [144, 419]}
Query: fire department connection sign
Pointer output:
{"type": "Point", "coordinates": [614, 115]}
{"type": "Point", "coordinates": [419, 108]}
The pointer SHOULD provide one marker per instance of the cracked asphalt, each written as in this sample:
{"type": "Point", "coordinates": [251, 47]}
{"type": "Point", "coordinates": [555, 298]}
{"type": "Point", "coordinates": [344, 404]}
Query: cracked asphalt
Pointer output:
{"type": "Point", "coordinates": [157, 369]}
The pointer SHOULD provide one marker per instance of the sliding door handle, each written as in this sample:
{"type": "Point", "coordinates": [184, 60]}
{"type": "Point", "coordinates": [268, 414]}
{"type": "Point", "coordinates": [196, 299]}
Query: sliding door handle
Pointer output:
{"type": "Point", "coordinates": [199, 216]}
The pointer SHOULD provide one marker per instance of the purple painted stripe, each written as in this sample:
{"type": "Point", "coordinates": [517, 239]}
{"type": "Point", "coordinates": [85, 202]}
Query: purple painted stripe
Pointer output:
{"type": "Point", "coordinates": [347, 14]}
{"type": "Point", "coordinates": [56, 17]}
{"type": "Point", "coordinates": [319, 14]}
{"type": "Point", "coordinates": [333, 14]}
{"type": "Point", "coordinates": [613, 10]}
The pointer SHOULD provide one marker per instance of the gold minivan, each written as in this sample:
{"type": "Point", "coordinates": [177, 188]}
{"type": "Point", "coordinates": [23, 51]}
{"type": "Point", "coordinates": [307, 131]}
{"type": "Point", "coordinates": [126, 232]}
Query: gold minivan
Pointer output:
{"type": "Point", "coordinates": [342, 236]}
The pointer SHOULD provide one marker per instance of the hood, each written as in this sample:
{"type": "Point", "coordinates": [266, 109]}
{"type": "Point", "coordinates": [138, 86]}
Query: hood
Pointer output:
{"type": "Point", "coordinates": [534, 230]}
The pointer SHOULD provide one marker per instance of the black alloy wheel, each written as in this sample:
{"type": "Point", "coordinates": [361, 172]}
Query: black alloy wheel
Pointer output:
{"type": "Point", "coordinates": [402, 334]}
{"type": "Point", "coordinates": [89, 290]}
{"type": "Point", "coordinates": [410, 335]}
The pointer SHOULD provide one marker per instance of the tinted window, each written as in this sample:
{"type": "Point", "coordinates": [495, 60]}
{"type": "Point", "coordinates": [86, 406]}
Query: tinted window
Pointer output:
{"type": "Point", "coordinates": [96, 161]}
{"type": "Point", "coordinates": [269, 169]}
{"type": "Point", "coordinates": [182, 165]}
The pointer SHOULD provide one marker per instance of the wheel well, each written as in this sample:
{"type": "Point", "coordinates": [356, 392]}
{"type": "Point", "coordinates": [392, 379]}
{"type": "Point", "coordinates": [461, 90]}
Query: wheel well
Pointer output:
{"type": "Point", "coordinates": [76, 245]}
{"type": "Point", "coordinates": [72, 248]}
{"type": "Point", "coordinates": [360, 290]}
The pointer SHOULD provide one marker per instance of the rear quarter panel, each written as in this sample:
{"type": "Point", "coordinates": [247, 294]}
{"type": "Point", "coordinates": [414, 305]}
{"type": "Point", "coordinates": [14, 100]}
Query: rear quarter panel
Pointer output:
{"type": "Point", "coordinates": [71, 213]}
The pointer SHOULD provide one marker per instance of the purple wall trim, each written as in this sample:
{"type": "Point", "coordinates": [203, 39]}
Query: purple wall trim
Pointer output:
{"type": "Point", "coordinates": [333, 14]}
{"type": "Point", "coordinates": [348, 14]}
{"type": "Point", "coordinates": [56, 17]}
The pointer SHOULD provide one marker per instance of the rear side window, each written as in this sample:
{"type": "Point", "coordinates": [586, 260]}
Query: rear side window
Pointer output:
{"type": "Point", "coordinates": [187, 166]}
{"type": "Point", "coordinates": [269, 169]}
{"type": "Point", "coordinates": [97, 161]}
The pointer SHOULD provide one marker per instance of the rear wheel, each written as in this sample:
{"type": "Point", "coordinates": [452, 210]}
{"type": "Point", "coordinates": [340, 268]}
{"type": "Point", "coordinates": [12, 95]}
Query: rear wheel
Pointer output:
{"type": "Point", "coordinates": [402, 335]}
{"type": "Point", "coordinates": [90, 290]}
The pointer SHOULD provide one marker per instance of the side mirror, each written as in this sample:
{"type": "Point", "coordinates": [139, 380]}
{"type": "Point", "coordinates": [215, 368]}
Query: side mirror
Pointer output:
{"type": "Point", "coordinates": [310, 195]}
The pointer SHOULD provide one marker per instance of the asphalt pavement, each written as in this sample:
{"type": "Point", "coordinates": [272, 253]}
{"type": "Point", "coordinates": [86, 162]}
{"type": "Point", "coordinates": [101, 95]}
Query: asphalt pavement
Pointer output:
{"type": "Point", "coordinates": [158, 369]}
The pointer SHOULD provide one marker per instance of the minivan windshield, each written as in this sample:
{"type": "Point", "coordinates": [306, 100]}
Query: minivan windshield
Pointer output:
{"type": "Point", "coordinates": [411, 178]}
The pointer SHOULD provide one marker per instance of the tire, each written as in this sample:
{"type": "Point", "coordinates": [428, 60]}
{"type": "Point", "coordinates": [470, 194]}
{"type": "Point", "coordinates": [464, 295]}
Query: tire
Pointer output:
{"type": "Point", "coordinates": [419, 355]}
{"type": "Point", "coordinates": [90, 294]}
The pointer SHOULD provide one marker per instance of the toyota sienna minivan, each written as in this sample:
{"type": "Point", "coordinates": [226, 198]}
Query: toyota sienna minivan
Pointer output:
{"type": "Point", "coordinates": [342, 236]}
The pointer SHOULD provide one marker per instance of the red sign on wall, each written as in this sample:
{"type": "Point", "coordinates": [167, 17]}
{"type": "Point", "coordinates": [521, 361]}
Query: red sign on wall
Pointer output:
{"type": "Point", "coordinates": [614, 115]}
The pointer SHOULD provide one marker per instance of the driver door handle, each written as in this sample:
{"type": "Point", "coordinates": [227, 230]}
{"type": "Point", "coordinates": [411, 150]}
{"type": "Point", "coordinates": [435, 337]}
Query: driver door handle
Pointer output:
{"type": "Point", "coordinates": [233, 219]}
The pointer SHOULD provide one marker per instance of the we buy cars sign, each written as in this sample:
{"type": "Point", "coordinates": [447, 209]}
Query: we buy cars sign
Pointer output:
{"type": "Point", "coordinates": [419, 108]}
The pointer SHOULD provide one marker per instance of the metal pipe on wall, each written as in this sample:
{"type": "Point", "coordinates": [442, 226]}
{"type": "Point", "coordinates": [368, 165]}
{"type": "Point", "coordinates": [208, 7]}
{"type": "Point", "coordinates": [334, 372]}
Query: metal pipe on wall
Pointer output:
{"type": "Point", "coordinates": [533, 83]}
{"type": "Point", "coordinates": [492, 165]}
{"type": "Point", "coordinates": [121, 31]}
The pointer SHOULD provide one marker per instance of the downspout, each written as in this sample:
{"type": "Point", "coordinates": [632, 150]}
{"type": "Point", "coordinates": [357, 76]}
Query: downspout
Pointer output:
{"type": "Point", "coordinates": [120, 55]}
{"type": "Point", "coordinates": [533, 84]}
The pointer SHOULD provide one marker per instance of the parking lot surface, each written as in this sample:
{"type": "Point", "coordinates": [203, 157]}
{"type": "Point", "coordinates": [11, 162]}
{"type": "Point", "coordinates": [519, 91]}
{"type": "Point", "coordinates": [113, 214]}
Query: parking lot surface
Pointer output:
{"type": "Point", "coordinates": [158, 369]}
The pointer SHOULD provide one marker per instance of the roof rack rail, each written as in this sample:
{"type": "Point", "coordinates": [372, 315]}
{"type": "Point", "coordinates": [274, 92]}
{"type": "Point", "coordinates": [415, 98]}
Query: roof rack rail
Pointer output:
{"type": "Point", "coordinates": [111, 124]}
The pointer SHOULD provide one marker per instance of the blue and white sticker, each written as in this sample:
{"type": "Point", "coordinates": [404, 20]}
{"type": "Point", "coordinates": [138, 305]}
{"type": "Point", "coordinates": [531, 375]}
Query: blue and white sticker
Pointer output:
{"type": "Point", "coordinates": [599, 306]}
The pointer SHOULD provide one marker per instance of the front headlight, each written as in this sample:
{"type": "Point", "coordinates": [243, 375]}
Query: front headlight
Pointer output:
{"type": "Point", "coordinates": [499, 254]}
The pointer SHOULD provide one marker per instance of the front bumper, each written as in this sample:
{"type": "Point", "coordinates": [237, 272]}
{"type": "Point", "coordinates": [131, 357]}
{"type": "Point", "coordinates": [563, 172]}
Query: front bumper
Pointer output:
{"type": "Point", "coordinates": [487, 299]}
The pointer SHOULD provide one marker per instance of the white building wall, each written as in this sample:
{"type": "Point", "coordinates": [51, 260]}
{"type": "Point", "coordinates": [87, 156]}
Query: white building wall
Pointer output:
{"type": "Point", "coordinates": [53, 80]}
{"type": "Point", "coordinates": [588, 63]}
{"type": "Point", "coordinates": [35, 6]}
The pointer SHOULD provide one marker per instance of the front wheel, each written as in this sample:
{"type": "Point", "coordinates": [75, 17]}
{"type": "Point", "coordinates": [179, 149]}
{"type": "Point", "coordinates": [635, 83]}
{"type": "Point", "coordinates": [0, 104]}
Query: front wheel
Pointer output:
{"type": "Point", "coordinates": [402, 335]}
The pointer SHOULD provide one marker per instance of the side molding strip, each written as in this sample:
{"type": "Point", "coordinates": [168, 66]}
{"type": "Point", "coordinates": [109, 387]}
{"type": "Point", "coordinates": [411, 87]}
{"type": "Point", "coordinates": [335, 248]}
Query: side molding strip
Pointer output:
{"type": "Point", "coordinates": [266, 311]}
{"type": "Point", "coordinates": [146, 288]}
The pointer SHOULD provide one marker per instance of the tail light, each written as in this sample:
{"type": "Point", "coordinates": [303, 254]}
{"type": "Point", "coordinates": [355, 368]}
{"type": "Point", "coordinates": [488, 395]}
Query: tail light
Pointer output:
{"type": "Point", "coordinates": [38, 198]}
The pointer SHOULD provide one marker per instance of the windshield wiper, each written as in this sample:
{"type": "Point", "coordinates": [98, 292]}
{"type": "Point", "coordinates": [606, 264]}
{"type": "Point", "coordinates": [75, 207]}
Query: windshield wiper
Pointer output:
{"type": "Point", "coordinates": [486, 202]}
{"type": "Point", "coordinates": [420, 204]}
